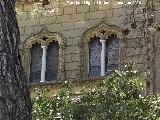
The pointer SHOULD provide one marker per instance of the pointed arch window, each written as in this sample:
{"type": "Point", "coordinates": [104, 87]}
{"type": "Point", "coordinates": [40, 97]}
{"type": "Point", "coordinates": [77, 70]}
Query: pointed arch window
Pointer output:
{"type": "Point", "coordinates": [44, 57]}
{"type": "Point", "coordinates": [51, 62]}
{"type": "Point", "coordinates": [100, 48]}
{"type": "Point", "coordinates": [111, 55]}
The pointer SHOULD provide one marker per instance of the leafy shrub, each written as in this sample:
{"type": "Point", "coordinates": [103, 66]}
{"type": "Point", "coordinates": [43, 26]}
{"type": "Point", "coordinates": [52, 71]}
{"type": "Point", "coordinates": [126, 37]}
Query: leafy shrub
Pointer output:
{"type": "Point", "coordinates": [118, 97]}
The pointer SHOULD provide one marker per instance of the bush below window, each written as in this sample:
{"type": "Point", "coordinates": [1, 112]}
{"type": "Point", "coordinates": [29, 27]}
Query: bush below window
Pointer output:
{"type": "Point", "coordinates": [118, 97]}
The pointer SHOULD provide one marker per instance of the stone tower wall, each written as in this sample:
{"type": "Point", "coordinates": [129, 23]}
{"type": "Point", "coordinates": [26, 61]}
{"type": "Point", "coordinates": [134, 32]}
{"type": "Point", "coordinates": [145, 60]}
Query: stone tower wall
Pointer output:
{"type": "Point", "coordinates": [73, 20]}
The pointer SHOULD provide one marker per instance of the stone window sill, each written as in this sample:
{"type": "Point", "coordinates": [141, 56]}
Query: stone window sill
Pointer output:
{"type": "Point", "coordinates": [58, 82]}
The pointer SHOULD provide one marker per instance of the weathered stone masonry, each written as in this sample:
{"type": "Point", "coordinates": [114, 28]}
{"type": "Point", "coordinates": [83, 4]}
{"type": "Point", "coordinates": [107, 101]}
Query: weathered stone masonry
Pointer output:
{"type": "Point", "coordinates": [72, 21]}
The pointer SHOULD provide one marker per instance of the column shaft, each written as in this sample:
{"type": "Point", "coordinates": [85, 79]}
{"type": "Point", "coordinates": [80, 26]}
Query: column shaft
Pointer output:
{"type": "Point", "coordinates": [43, 70]}
{"type": "Point", "coordinates": [103, 57]}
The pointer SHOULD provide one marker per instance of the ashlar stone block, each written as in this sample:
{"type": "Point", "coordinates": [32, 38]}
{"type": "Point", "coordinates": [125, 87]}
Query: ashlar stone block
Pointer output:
{"type": "Point", "coordinates": [69, 41]}
{"type": "Point", "coordinates": [93, 7]}
{"type": "Point", "coordinates": [29, 30]}
{"type": "Point", "coordinates": [95, 15]}
{"type": "Point", "coordinates": [72, 66]}
{"type": "Point", "coordinates": [54, 27]}
{"type": "Point", "coordinates": [82, 8]}
{"type": "Point", "coordinates": [22, 16]}
{"type": "Point", "coordinates": [78, 17]}
{"type": "Point", "coordinates": [37, 29]}
{"type": "Point", "coordinates": [69, 9]}
{"type": "Point", "coordinates": [68, 58]}
{"type": "Point", "coordinates": [67, 26]}
{"type": "Point", "coordinates": [22, 30]}
{"type": "Point", "coordinates": [76, 40]}
{"type": "Point", "coordinates": [72, 49]}
{"type": "Point", "coordinates": [63, 19]}
{"type": "Point", "coordinates": [75, 57]}
{"type": "Point", "coordinates": [79, 24]}
{"type": "Point", "coordinates": [28, 22]}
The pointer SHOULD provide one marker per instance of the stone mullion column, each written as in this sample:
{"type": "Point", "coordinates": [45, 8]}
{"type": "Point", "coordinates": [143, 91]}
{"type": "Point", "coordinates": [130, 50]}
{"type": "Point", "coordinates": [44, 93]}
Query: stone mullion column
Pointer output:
{"type": "Point", "coordinates": [103, 57]}
{"type": "Point", "coordinates": [43, 70]}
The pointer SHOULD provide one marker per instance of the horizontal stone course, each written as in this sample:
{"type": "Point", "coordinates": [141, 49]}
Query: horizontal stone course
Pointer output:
{"type": "Point", "coordinates": [54, 27]}
{"type": "Point", "coordinates": [72, 66]}
{"type": "Point", "coordinates": [47, 20]}
{"type": "Point", "coordinates": [22, 30]}
{"type": "Point", "coordinates": [69, 41]}
{"type": "Point", "coordinates": [105, 7]}
{"type": "Point", "coordinates": [29, 30]}
{"type": "Point", "coordinates": [95, 15]}
{"type": "Point", "coordinates": [75, 57]}
{"type": "Point", "coordinates": [93, 8]}
{"type": "Point", "coordinates": [68, 58]}
{"type": "Point", "coordinates": [82, 8]}
{"type": "Point", "coordinates": [23, 38]}
{"type": "Point", "coordinates": [78, 17]}
{"type": "Point", "coordinates": [22, 16]}
{"type": "Point", "coordinates": [63, 19]}
{"type": "Point", "coordinates": [76, 40]}
{"type": "Point", "coordinates": [28, 22]}
{"type": "Point", "coordinates": [69, 9]}
{"type": "Point", "coordinates": [37, 29]}
{"type": "Point", "coordinates": [72, 49]}
{"type": "Point", "coordinates": [79, 24]}
{"type": "Point", "coordinates": [67, 26]}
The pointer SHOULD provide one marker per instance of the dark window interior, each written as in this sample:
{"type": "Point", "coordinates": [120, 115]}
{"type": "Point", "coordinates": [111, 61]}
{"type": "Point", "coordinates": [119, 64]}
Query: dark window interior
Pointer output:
{"type": "Point", "coordinates": [52, 61]}
{"type": "Point", "coordinates": [112, 54]}
{"type": "Point", "coordinates": [95, 57]}
{"type": "Point", "coordinates": [35, 66]}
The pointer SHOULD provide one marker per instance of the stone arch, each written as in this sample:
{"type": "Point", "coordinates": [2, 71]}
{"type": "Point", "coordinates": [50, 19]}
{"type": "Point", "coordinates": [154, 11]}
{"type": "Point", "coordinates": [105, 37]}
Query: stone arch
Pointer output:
{"type": "Point", "coordinates": [102, 31]}
{"type": "Point", "coordinates": [44, 38]}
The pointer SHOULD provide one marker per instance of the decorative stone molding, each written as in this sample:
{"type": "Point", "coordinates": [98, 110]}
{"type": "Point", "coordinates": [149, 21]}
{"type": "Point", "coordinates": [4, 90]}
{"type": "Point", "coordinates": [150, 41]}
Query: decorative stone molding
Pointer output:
{"type": "Point", "coordinates": [44, 38]}
{"type": "Point", "coordinates": [102, 31]}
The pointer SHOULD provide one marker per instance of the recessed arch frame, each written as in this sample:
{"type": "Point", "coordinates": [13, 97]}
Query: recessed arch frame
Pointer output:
{"type": "Point", "coordinates": [44, 38]}
{"type": "Point", "coordinates": [103, 31]}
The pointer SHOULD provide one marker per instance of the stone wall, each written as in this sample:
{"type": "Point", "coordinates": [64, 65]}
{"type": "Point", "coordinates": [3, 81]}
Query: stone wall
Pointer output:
{"type": "Point", "coordinates": [72, 21]}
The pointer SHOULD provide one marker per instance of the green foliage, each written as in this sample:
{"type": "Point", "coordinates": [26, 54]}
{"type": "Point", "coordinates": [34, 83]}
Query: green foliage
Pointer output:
{"type": "Point", "coordinates": [118, 97]}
